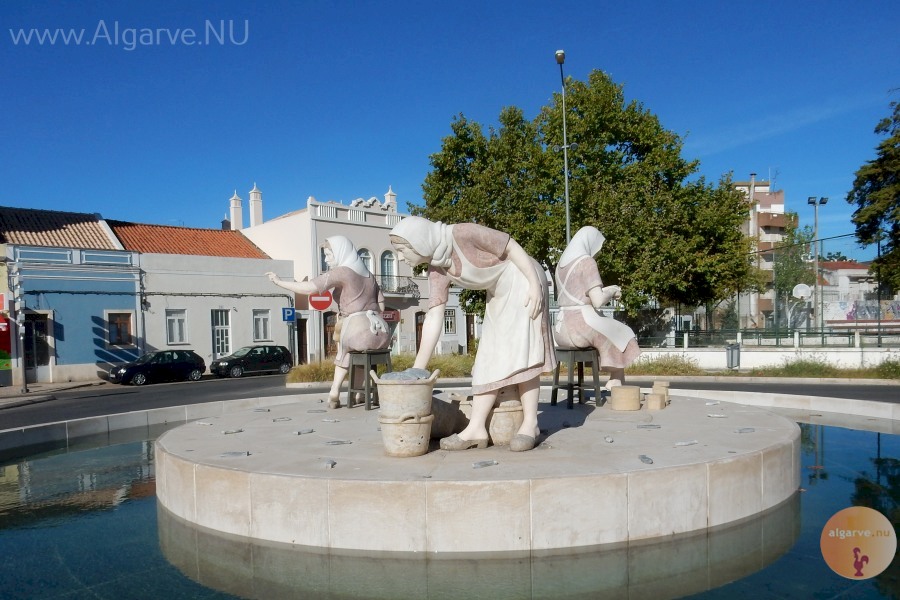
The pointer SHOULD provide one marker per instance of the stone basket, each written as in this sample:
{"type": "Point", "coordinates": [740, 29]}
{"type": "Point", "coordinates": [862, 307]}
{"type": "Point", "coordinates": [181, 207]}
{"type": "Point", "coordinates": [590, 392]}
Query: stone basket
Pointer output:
{"type": "Point", "coordinates": [398, 397]}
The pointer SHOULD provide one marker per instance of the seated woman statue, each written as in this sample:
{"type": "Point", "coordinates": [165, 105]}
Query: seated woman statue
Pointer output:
{"type": "Point", "coordinates": [360, 326]}
{"type": "Point", "coordinates": [515, 346]}
{"type": "Point", "coordinates": [579, 294]}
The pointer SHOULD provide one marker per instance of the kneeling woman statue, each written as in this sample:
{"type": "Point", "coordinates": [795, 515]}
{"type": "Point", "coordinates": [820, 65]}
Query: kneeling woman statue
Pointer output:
{"type": "Point", "coordinates": [515, 347]}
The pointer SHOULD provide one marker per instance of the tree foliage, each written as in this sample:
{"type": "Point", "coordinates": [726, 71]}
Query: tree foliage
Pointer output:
{"type": "Point", "coordinates": [876, 193]}
{"type": "Point", "coordinates": [671, 236]}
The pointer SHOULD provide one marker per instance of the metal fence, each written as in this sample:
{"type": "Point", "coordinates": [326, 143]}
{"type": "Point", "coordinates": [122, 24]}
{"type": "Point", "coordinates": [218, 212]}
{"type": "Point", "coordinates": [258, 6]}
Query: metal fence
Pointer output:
{"type": "Point", "coordinates": [784, 338]}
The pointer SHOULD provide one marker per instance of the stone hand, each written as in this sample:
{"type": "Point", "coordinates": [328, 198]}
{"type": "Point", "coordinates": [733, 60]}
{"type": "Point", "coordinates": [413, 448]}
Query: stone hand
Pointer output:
{"type": "Point", "coordinates": [535, 300]}
{"type": "Point", "coordinates": [607, 294]}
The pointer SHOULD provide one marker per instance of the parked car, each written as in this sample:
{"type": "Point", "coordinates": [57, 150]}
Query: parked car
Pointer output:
{"type": "Point", "coordinates": [165, 365]}
{"type": "Point", "coordinates": [253, 359]}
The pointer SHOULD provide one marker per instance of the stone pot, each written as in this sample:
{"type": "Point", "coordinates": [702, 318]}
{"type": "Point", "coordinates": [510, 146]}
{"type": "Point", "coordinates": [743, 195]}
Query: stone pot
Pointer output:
{"type": "Point", "coordinates": [407, 435]}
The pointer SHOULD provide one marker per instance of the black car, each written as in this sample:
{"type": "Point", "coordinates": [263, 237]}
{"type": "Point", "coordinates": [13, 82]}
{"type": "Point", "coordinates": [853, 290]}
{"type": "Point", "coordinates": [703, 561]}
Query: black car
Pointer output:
{"type": "Point", "coordinates": [253, 359]}
{"type": "Point", "coordinates": [165, 365]}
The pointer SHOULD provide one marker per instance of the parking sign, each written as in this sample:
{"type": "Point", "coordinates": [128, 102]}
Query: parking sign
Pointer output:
{"type": "Point", "coordinates": [288, 314]}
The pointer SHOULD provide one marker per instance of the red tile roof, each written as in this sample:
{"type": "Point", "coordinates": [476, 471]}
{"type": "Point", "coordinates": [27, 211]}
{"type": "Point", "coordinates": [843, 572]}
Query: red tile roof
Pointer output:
{"type": "Point", "coordinates": [166, 239]}
{"type": "Point", "coordinates": [33, 227]}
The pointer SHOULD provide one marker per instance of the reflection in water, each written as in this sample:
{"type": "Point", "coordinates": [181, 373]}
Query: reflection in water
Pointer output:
{"type": "Point", "coordinates": [61, 483]}
{"type": "Point", "coordinates": [672, 569]}
{"type": "Point", "coordinates": [82, 522]}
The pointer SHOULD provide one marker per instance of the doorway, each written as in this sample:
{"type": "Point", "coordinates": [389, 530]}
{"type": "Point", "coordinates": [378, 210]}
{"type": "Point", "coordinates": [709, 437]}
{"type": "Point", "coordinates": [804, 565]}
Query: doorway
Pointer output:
{"type": "Point", "coordinates": [420, 320]}
{"type": "Point", "coordinates": [38, 348]}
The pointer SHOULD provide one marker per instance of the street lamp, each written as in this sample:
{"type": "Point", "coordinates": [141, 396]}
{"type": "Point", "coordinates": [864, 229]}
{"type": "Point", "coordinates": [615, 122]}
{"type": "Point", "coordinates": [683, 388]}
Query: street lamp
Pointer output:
{"type": "Point", "coordinates": [560, 59]}
{"type": "Point", "coordinates": [816, 202]}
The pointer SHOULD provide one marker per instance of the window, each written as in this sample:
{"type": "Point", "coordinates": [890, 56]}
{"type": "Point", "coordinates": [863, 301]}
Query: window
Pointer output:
{"type": "Point", "coordinates": [176, 326]}
{"type": "Point", "coordinates": [261, 320]}
{"type": "Point", "coordinates": [221, 332]}
{"type": "Point", "coordinates": [388, 281]}
{"type": "Point", "coordinates": [119, 330]}
{"type": "Point", "coordinates": [323, 266]}
{"type": "Point", "coordinates": [366, 257]}
{"type": "Point", "coordinates": [450, 321]}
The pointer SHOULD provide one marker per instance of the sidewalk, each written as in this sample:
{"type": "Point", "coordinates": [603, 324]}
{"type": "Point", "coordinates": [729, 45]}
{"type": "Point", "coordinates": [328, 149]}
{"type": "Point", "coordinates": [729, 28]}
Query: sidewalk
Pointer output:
{"type": "Point", "coordinates": [13, 395]}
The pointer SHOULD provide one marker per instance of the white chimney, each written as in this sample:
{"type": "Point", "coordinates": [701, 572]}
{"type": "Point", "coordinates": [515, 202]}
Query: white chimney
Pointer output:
{"type": "Point", "coordinates": [237, 214]}
{"type": "Point", "coordinates": [256, 215]}
{"type": "Point", "coordinates": [390, 200]}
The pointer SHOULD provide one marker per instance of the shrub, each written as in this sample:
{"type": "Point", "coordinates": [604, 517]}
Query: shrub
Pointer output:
{"type": "Point", "coordinates": [451, 365]}
{"type": "Point", "coordinates": [801, 367]}
{"type": "Point", "coordinates": [889, 369]}
{"type": "Point", "coordinates": [317, 371]}
{"type": "Point", "coordinates": [670, 364]}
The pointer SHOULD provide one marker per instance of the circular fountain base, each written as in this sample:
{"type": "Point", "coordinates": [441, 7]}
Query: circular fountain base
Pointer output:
{"type": "Point", "coordinates": [598, 477]}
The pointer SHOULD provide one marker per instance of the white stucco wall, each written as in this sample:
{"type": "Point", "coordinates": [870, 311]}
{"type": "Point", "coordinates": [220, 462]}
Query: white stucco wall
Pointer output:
{"type": "Point", "coordinates": [201, 284]}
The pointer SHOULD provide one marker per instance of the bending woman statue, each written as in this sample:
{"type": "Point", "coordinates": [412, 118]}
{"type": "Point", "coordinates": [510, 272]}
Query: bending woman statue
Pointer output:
{"type": "Point", "coordinates": [579, 294]}
{"type": "Point", "coordinates": [515, 346]}
{"type": "Point", "coordinates": [360, 303]}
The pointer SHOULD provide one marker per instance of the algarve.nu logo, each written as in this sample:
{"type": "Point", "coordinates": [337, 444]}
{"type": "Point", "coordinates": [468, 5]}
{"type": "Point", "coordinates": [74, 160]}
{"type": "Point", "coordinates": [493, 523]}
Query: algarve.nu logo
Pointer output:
{"type": "Point", "coordinates": [858, 543]}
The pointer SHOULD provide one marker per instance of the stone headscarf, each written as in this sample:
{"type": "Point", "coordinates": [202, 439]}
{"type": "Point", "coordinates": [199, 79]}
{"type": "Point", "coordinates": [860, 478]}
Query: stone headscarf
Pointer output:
{"type": "Point", "coordinates": [427, 238]}
{"type": "Point", "coordinates": [345, 255]}
{"type": "Point", "coordinates": [587, 241]}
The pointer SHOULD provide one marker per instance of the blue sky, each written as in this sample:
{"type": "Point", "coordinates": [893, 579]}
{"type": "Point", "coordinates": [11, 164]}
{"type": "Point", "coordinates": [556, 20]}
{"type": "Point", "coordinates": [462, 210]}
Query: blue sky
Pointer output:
{"type": "Point", "coordinates": [340, 100]}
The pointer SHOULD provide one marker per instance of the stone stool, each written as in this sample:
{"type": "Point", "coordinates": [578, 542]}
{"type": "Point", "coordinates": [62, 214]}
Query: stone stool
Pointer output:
{"type": "Point", "coordinates": [573, 357]}
{"type": "Point", "coordinates": [365, 361]}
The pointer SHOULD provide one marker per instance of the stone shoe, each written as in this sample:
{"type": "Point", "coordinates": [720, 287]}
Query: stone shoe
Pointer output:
{"type": "Point", "coordinates": [521, 443]}
{"type": "Point", "coordinates": [454, 442]}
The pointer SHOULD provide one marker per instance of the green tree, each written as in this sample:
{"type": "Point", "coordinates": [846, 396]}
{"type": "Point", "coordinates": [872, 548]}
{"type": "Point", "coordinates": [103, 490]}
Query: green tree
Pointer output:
{"type": "Point", "coordinates": [670, 235]}
{"type": "Point", "coordinates": [876, 193]}
{"type": "Point", "coordinates": [835, 256]}
{"type": "Point", "coordinates": [791, 266]}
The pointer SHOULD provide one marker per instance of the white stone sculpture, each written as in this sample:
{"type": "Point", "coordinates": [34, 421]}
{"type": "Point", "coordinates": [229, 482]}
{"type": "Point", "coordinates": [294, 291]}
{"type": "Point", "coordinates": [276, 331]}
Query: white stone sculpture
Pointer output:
{"type": "Point", "coordinates": [580, 293]}
{"type": "Point", "coordinates": [360, 326]}
{"type": "Point", "coordinates": [516, 345]}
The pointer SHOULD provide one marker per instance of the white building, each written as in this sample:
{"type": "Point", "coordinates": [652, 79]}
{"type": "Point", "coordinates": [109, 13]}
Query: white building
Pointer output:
{"type": "Point", "coordinates": [300, 236]}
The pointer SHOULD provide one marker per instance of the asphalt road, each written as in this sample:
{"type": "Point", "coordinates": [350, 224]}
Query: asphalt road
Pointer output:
{"type": "Point", "coordinates": [112, 399]}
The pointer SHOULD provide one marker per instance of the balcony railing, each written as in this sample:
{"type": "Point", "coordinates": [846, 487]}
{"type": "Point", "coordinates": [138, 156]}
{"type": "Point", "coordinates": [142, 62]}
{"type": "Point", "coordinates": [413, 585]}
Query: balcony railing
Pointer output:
{"type": "Point", "coordinates": [404, 286]}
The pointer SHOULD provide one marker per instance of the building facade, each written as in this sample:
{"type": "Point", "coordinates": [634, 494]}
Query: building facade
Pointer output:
{"type": "Point", "coordinates": [766, 222]}
{"type": "Point", "coordinates": [87, 294]}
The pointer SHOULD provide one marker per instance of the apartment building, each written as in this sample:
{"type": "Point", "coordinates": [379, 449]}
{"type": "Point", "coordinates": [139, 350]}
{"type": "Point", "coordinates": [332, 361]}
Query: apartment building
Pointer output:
{"type": "Point", "coordinates": [765, 222]}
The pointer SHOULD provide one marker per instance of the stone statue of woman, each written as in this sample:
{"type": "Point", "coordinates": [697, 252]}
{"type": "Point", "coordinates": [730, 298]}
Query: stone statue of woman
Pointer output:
{"type": "Point", "coordinates": [516, 345]}
{"type": "Point", "coordinates": [579, 294]}
{"type": "Point", "coordinates": [360, 303]}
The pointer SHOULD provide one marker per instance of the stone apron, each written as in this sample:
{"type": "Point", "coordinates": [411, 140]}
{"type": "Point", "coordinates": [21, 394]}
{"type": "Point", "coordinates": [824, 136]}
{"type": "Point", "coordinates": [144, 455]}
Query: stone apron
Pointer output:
{"type": "Point", "coordinates": [506, 347]}
{"type": "Point", "coordinates": [376, 324]}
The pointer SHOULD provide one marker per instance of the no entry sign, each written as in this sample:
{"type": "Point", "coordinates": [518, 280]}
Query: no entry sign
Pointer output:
{"type": "Point", "coordinates": [320, 301]}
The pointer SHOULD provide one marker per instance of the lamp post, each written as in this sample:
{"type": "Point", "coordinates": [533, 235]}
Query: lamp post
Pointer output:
{"type": "Point", "coordinates": [878, 289]}
{"type": "Point", "coordinates": [560, 59]}
{"type": "Point", "coordinates": [816, 202]}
